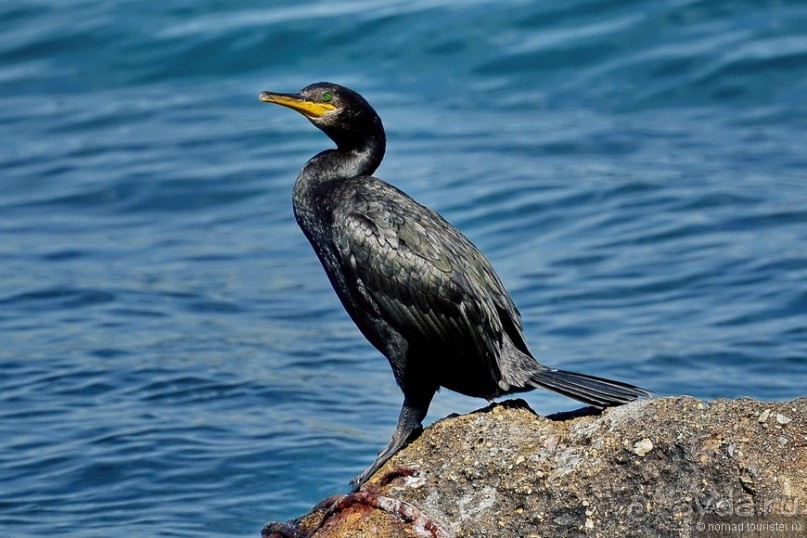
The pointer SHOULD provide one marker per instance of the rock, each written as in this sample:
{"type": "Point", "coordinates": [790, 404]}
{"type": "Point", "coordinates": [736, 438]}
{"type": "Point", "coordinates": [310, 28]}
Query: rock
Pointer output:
{"type": "Point", "coordinates": [659, 467]}
{"type": "Point", "coordinates": [783, 419]}
{"type": "Point", "coordinates": [641, 448]}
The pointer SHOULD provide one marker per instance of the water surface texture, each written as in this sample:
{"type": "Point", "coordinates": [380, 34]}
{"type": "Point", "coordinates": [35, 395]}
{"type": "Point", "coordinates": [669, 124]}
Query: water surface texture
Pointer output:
{"type": "Point", "coordinates": [173, 360]}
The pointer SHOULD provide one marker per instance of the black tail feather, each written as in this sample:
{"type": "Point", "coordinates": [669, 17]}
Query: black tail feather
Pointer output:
{"type": "Point", "coordinates": [596, 391]}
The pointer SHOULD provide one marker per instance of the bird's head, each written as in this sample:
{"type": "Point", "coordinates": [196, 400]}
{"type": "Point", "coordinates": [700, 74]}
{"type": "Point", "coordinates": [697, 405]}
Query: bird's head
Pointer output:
{"type": "Point", "coordinates": [344, 115]}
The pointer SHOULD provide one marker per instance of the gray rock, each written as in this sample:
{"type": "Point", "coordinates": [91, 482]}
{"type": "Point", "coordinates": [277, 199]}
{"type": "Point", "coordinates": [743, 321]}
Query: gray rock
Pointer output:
{"type": "Point", "coordinates": [504, 471]}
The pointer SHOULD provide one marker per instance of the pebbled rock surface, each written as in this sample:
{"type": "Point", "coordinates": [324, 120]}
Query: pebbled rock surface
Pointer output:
{"type": "Point", "coordinates": [666, 467]}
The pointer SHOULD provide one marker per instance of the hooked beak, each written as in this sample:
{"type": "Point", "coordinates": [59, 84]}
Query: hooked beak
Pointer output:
{"type": "Point", "coordinates": [309, 109]}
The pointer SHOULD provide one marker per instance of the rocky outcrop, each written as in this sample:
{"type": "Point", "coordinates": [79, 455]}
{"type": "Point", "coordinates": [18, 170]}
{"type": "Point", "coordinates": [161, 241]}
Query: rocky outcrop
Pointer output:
{"type": "Point", "coordinates": [661, 467]}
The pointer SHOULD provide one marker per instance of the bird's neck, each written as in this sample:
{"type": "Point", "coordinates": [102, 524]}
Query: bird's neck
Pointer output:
{"type": "Point", "coordinates": [355, 156]}
{"type": "Point", "coordinates": [337, 165]}
{"type": "Point", "coordinates": [323, 172]}
{"type": "Point", "coordinates": [359, 150]}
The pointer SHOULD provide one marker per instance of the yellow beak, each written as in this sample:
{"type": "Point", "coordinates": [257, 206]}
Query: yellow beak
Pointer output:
{"type": "Point", "coordinates": [309, 109]}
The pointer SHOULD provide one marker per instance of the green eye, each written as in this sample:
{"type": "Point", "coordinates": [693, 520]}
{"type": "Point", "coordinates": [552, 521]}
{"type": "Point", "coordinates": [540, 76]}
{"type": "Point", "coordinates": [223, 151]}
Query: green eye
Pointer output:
{"type": "Point", "coordinates": [327, 96]}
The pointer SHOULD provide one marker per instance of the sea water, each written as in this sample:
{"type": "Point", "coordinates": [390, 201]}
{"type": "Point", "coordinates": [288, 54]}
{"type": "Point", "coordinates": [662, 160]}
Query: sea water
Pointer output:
{"type": "Point", "coordinates": [173, 361]}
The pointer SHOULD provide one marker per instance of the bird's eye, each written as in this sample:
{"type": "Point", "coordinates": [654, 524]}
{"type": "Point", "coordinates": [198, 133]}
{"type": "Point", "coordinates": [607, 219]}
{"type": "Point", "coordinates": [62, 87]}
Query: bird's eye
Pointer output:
{"type": "Point", "coordinates": [327, 96]}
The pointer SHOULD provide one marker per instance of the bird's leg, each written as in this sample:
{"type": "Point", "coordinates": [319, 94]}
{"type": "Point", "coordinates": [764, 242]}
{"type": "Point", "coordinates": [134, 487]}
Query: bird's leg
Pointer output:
{"type": "Point", "coordinates": [408, 429]}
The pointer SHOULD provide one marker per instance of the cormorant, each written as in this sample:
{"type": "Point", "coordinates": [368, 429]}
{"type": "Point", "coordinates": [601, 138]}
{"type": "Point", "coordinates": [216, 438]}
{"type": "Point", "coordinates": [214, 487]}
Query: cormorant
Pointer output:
{"type": "Point", "coordinates": [417, 288]}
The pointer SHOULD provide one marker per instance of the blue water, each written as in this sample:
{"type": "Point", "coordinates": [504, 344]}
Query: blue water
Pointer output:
{"type": "Point", "coordinates": [173, 360]}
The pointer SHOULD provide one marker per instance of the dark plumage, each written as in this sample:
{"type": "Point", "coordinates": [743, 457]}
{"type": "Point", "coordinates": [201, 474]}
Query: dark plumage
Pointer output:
{"type": "Point", "coordinates": [417, 288]}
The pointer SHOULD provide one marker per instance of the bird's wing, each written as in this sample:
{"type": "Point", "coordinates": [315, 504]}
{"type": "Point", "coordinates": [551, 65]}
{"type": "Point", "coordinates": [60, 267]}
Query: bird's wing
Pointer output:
{"type": "Point", "coordinates": [423, 277]}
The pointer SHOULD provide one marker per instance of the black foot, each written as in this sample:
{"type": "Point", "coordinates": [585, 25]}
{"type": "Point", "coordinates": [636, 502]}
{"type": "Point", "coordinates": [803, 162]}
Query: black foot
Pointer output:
{"type": "Point", "coordinates": [397, 443]}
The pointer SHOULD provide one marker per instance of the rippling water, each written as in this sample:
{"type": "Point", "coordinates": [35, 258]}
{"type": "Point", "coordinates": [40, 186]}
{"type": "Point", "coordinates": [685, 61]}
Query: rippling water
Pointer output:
{"type": "Point", "coordinates": [174, 361]}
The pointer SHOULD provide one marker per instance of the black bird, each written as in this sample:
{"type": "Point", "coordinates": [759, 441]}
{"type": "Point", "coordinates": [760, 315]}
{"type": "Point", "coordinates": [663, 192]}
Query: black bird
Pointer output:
{"type": "Point", "coordinates": [417, 288]}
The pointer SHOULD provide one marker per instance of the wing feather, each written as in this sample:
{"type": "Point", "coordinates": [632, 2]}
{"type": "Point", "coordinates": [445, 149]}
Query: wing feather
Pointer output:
{"type": "Point", "coordinates": [422, 276]}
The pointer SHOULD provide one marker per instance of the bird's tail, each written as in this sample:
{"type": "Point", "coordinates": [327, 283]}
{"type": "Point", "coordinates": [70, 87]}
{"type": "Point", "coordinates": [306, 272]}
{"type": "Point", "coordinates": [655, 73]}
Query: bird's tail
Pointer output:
{"type": "Point", "coordinates": [596, 391]}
